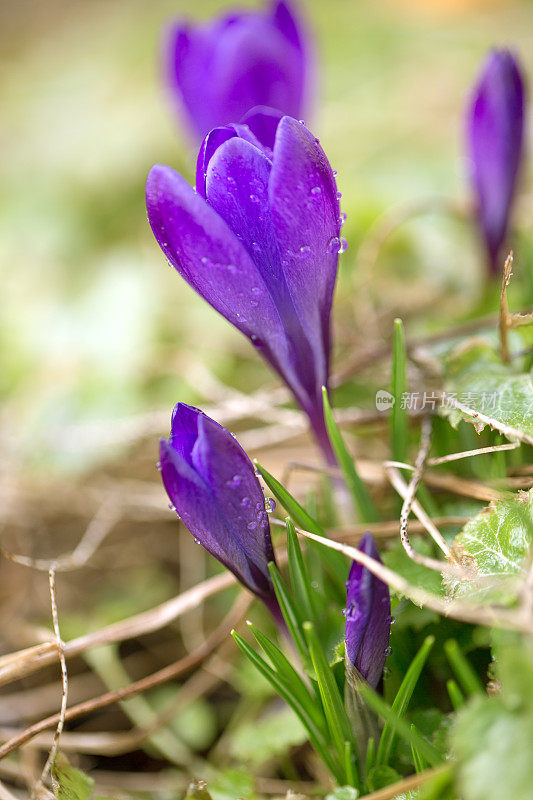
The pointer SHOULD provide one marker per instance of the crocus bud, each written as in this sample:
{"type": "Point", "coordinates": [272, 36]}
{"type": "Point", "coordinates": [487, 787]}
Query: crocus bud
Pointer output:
{"type": "Point", "coordinates": [259, 240]}
{"type": "Point", "coordinates": [495, 146]}
{"type": "Point", "coordinates": [213, 487]}
{"type": "Point", "coordinates": [368, 618]}
{"type": "Point", "coordinates": [219, 70]}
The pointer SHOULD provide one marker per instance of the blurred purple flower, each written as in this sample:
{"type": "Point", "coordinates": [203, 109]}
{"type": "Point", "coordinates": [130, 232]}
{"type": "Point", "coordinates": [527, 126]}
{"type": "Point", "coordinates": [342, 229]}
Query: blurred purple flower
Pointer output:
{"type": "Point", "coordinates": [259, 240]}
{"type": "Point", "coordinates": [495, 146]}
{"type": "Point", "coordinates": [368, 618]}
{"type": "Point", "coordinates": [220, 70]}
{"type": "Point", "coordinates": [212, 485]}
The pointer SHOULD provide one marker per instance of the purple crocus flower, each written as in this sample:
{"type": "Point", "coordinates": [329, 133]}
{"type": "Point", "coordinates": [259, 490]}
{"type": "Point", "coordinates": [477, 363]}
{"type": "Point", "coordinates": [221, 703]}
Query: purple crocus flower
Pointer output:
{"type": "Point", "coordinates": [219, 70]}
{"type": "Point", "coordinates": [213, 487]}
{"type": "Point", "coordinates": [368, 618]}
{"type": "Point", "coordinates": [259, 240]}
{"type": "Point", "coordinates": [495, 145]}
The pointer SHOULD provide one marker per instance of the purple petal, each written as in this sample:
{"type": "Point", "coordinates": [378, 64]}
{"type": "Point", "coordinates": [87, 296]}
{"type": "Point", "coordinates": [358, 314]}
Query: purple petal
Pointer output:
{"type": "Point", "coordinates": [216, 493]}
{"type": "Point", "coordinates": [201, 247]}
{"type": "Point", "coordinates": [306, 219]}
{"type": "Point", "coordinates": [368, 618]}
{"type": "Point", "coordinates": [285, 20]}
{"type": "Point", "coordinates": [238, 188]}
{"type": "Point", "coordinates": [263, 122]}
{"type": "Point", "coordinates": [255, 65]}
{"type": "Point", "coordinates": [213, 141]}
{"type": "Point", "coordinates": [495, 142]}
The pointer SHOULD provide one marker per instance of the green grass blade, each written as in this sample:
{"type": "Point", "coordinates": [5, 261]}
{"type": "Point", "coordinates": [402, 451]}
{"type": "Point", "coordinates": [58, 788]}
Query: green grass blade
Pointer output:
{"type": "Point", "coordinates": [332, 559]}
{"type": "Point", "coordinates": [403, 696]}
{"type": "Point", "coordinates": [350, 767]}
{"type": "Point", "coordinates": [289, 503]}
{"type": "Point", "coordinates": [334, 712]}
{"type": "Point", "coordinates": [302, 712]}
{"type": "Point", "coordinates": [358, 490]}
{"type": "Point", "coordinates": [418, 760]}
{"type": "Point", "coordinates": [289, 611]}
{"type": "Point", "coordinates": [299, 574]}
{"type": "Point", "coordinates": [455, 694]}
{"type": "Point", "coordinates": [468, 680]}
{"type": "Point", "coordinates": [400, 725]}
{"type": "Point", "coordinates": [370, 759]}
{"type": "Point", "coordinates": [398, 388]}
{"type": "Point", "coordinates": [287, 673]}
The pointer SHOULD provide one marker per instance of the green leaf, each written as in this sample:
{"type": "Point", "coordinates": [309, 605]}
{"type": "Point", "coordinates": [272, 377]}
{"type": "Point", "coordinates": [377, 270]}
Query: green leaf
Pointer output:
{"type": "Point", "coordinates": [477, 378]}
{"type": "Point", "coordinates": [343, 793]}
{"type": "Point", "coordinates": [358, 490]}
{"type": "Point", "coordinates": [72, 783]}
{"type": "Point", "coordinates": [268, 737]}
{"type": "Point", "coordinates": [493, 735]}
{"type": "Point", "coordinates": [381, 776]}
{"type": "Point", "coordinates": [399, 387]}
{"type": "Point", "coordinates": [232, 783]}
{"type": "Point", "coordinates": [495, 545]}
{"type": "Point", "coordinates": [401, 701]}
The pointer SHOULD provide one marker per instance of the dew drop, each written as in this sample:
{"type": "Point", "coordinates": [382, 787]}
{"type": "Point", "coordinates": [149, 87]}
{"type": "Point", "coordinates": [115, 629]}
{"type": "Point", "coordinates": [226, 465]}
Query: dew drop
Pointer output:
{"type": "Point", "coordinates": [245, 501]}
{"type": "Point", "coordinates": [301, 121]}
{"type": "Point", "coordinates": [256, 247]}
{"type": "Point", "coordinates": [171, 507]}
{"type": "Point", "coordinates": [254, 303]}
{"type": "Point", "coordinates": [343, 245]}
{"type": "Point", "coordinates": [305, 250]}
{"type": "Point", "coordinates": [335, 173]}
{"type": "Point", "coordinates": [252, 526]}
{"type": "Point", "coordinates": [254, 198]}
{"type": "Point", "coordinates": [256, 290]}
{"type": "Point", "coordinates": [388, 650]}
{"type": "Point", "coordinates": [316, 190]}
{"type": "Point", "coordinates": [270, 504]}
{"type": "Point", "coordinates": [333, 245]}
{"type": "Point", "coordinates": [158, 466]}
{"type": "Point", "coordinates": [339, 195]}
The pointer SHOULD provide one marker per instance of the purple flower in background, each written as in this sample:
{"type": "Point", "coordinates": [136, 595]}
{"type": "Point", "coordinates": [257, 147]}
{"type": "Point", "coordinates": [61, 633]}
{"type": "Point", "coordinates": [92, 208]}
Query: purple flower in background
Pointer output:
{"type": "Point", "coordinates": [495, 145]}
{"type": "Point", "coordinates": [213, 487]}
{"type": "Point", "coordinates": [368, 618]}
{"type": "Point", "coordinates": [259, 240]}
{"type": "Point", "coordinates": [219, 70]}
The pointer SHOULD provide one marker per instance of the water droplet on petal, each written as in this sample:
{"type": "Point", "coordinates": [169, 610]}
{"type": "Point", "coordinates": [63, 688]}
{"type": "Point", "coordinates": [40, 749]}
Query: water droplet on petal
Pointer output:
{"type": "Point", "coordinates": [305, 250]}
{"type": "Point", "coordinates": [252, 526]}
{"type": "Point", "coordinates": [270, 504]}
{"type": "Point", "coordinates": [301, 121]}
{"type": "Point", "coordinates": [343, 246]}
{"type": "Point", "coordinates": [316, 190]}
{"type": "Point", "coordinates": [339, 195]}
{"type": "Point", "coordinates": [333, 245]}
{"type": "Point", "coordinates": [245, 501]}
{"type": "Point", "coordinates": [254, 198]}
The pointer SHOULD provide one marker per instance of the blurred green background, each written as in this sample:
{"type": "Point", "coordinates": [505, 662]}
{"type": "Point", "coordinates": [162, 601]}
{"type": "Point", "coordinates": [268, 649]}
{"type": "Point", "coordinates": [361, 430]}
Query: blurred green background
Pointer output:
{"type": "Point", "coordinates": [94, 324]}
